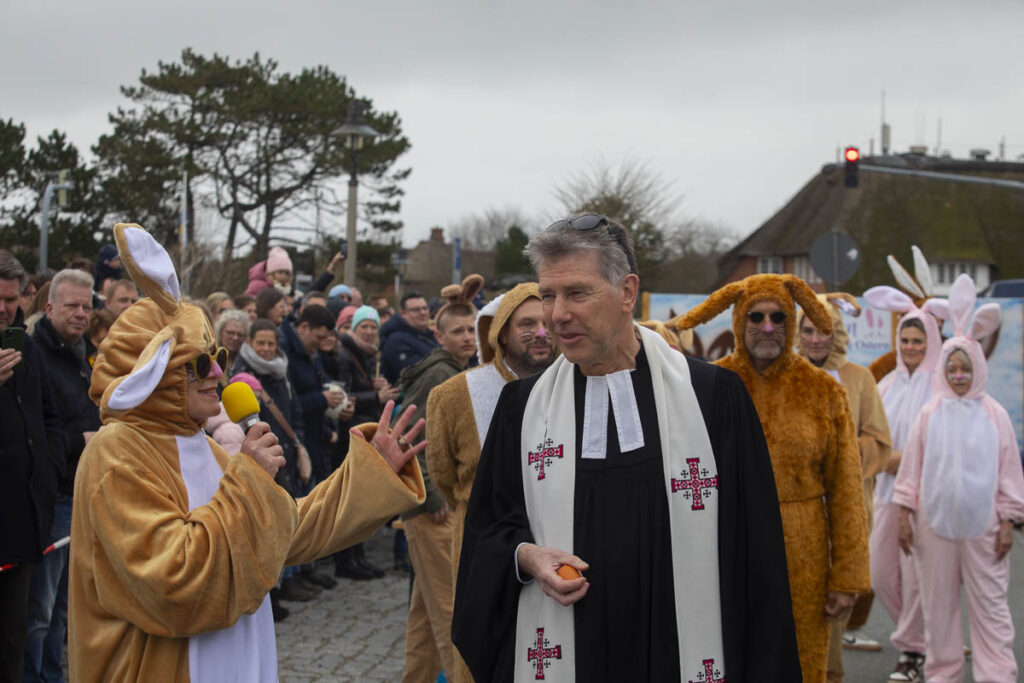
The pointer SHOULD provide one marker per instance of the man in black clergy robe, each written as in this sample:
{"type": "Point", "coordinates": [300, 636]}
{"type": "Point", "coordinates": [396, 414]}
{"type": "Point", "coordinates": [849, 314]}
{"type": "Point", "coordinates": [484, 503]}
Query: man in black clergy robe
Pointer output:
{"type": "Point", "coordinates": [624, 607]}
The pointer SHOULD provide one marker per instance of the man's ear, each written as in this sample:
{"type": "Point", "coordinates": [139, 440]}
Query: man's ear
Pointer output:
{"type": "Point", "coordinates": [49, 309]}
{"type": "Point", "coordinates": [437, 334]}
{"type": "Point", "coordinates": [630, 290]}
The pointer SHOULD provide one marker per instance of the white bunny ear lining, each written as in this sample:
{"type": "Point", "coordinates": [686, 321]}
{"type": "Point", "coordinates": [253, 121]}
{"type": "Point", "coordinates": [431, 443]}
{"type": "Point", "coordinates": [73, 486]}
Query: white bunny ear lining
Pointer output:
{"type": "Point", "coordinates": [903, 278]}
{"type": "Point", "coordinates": [888, 299]}
{"type": "Point", "coordinates": [922, 271]}
{"type": "Point", "coordinates": [962, 298]}
{"type": "Point", "coordinates": [152, 260]}
{"type": "Point", "coordinates": [939, 308]}
{"type": "Point", "coordinates": [137, 387]}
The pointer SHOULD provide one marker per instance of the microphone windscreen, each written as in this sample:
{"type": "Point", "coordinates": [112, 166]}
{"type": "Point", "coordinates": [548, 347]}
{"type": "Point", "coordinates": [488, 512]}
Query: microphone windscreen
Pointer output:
{"type": "Point", "coordinates": [239, 401]}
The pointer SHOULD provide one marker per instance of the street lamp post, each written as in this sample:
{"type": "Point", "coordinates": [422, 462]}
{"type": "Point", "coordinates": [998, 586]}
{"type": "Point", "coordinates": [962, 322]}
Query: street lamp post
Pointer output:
{"type": "Point", "coordinates": [353, 134]}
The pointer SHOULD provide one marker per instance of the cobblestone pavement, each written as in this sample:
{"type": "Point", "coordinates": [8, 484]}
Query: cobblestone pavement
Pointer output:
{"type": "Point", "coordinates": [352, 632]}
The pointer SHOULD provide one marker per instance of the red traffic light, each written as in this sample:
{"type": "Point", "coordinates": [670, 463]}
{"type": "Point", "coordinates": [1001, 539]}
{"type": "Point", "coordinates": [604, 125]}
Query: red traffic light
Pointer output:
{"type": "Point", "coordinates": [852, 154]}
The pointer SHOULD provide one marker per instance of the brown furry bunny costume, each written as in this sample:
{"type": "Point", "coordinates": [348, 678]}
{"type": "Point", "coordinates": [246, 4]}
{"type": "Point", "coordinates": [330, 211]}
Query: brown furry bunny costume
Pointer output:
{"type": "Point", "coordinates": [175, 542]}
{"type": "Point", "coordinates": [813, 446]}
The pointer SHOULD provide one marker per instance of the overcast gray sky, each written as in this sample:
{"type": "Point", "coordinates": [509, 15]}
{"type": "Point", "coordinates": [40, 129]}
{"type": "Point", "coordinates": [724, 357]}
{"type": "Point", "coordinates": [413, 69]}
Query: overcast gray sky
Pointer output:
{"type": "Point", "coordinates": [737, 104]}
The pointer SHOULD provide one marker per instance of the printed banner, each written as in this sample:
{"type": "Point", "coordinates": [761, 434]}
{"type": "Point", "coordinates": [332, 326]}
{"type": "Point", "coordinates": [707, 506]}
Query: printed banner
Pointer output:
{"type": "Point", "coordinates": [871, 335]}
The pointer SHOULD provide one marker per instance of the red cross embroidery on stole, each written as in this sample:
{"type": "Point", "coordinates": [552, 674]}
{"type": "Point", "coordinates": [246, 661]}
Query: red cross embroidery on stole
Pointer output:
{"type": "Point", "coordinates": [709, 674]}
{"type": "Point", "coordinates": [693, 487]}
{"type": "Point", "coordinates": [542, 653]}
{"type": "Point", "coordinates": [539, 460]}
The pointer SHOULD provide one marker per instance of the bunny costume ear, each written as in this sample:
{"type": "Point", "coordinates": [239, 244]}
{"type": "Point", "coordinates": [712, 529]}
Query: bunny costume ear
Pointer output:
{"type": "Point", "coordinates": [962, 298]}
{"type": "Point", "coordinates": [922, 271]}
{"type": "Point", "coordinates": [133, 389]}
{"type": "Point", "coordinates": [808, 301]}
{"type": "Point", "coordinates": [903, 278]}
{"type": "Point", "coordinates": [889, 299]}
{"type": "Point", "coordinates": [939, 308]}
{"type": "Point", "coordinates": [844, 301]}
{"type": "Point", "coordinates": [986, 320]}
{"type": "Point", "coordinates": [719, 301]}
{"type": "Point", "coordinates": [148, 265]}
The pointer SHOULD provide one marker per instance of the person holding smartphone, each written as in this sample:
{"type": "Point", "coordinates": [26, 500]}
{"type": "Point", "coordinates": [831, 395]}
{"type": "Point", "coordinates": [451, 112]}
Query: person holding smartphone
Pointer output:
{"type": "Point", "coordinates": [31, 454]}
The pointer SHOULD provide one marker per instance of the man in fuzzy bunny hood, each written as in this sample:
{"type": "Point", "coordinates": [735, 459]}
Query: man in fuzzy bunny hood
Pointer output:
{"type": "Point", "coordinates": [512, 342]}
{"type": "Point", "coordinates": [429, 527]}
{"type": "Point", "coordinates": [813, 445]}
{"type": "Point", "coordinates": [828, 352]}
{"type": "Point", "coordinates": [642, 470]}
{"type": "Point", "coordinates": [176, 543]}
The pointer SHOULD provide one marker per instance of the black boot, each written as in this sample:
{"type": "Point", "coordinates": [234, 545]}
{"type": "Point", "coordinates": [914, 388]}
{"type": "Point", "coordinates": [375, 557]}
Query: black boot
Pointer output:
{"type": "Point", "coordinates": [293, 591]}
{"type": "Point", "coordinates": [280, 612]}
{"type": "Point", "coordinates": [350, 569]}
{"type": "Point", "coordinates": [318, 579]}
{"type": "Point", "coordinates": [359, 556]}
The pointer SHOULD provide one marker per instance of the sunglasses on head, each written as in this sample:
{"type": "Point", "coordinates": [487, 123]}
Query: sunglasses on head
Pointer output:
{"type": "Point", "coordinates": [757, 317]}
{"type": "Point", "coordinates": [592, 221]}
{"type": "Point", "coordinates": [584, 223]}
{"type": "Point", "coordinates": [203, 363]}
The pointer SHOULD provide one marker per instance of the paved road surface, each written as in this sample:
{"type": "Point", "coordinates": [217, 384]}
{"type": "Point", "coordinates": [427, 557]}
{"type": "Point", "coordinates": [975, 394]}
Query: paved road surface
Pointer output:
{"type": "Point", "coordinates": [356, 632]}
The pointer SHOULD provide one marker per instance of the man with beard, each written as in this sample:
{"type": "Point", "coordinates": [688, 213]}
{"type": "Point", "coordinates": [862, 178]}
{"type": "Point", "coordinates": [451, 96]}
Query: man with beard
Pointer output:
{"type": "Point", "coordinates": [513, 343]}
{"type": "Point", "coordinates": [813, 445]}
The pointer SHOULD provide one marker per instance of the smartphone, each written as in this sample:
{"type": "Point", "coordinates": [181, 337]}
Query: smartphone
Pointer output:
{"type": "Point", "coordinates": [344, 248]}
{"type": "Point", "coordinates": [13, 338]}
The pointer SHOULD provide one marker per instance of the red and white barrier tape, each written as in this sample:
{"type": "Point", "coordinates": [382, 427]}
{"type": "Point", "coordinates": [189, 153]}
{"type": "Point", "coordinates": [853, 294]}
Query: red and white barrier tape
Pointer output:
{"type": "Point", "coordinates": [49, 549]}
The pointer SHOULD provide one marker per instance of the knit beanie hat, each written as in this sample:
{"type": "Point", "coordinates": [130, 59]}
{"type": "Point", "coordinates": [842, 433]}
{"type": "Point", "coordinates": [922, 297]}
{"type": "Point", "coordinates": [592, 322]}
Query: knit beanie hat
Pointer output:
{"type": "Point", "coordinates": [338, 290]}
{"type": "Point", "coordinates": [365, 313]}
{"type": "Point", "coordinates": [278, 259]}
{"type": "Point", "coordinates": [345, 316]}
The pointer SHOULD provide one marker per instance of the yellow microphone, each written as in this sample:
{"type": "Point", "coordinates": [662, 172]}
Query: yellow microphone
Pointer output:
{"type": "Point", "coordinates": [241, 405]}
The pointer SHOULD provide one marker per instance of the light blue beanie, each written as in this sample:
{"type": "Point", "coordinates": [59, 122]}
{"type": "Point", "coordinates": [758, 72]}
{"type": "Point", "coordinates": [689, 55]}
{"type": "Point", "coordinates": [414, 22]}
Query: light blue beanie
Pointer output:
{"type": "Point", "coordinates": [337, 290]}
{"type": "Point", "coordinates": [365, 313]}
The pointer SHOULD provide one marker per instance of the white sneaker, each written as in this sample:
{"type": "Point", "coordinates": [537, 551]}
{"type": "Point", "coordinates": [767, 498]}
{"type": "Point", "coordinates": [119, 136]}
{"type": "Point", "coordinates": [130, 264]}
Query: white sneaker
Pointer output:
{"type": "Point", "coordinates": [856, 640]}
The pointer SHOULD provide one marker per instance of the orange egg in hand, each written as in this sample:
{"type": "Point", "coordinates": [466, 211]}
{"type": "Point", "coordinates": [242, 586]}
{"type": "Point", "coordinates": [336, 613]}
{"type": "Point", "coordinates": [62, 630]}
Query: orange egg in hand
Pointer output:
{"type": "Point", "coordinates": [568, 572]}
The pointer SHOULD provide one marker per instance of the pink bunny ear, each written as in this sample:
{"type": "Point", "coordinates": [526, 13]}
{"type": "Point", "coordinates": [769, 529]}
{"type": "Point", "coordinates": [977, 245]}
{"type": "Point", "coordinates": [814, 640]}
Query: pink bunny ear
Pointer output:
{"type": "Point", "coordinates": [961, 303]}
{"type": "Point", "coordinates": [939, 308]}
{"type": "Point", "coordinates": [888, 299]}
{"type": "Point", "coordinates": [986, 320]}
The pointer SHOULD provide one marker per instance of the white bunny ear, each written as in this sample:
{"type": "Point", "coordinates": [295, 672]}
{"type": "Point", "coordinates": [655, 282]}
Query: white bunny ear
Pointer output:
{"type": "Point", "coordinates": [922, 271]}
{"type": "Point", "coordinates": [903, 278]}
{"type": "Point", "coordinates": [986, 320]}
{"type": "Point", "coordinates": [149, 265]}
{"type": "Point", "coordinates": [961, 303]}
{"type": "Point", "coordinates": [149, 369]}
{"type": "Point", "coordinates": [939, 308]}
{"type": "Point", "coordinates": [888, 299]}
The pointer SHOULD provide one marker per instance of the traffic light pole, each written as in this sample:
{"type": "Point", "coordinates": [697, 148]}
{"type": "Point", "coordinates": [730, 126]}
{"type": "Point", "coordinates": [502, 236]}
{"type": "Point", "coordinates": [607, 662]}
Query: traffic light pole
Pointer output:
{"type": "Point", "coordinates": [44, 220]}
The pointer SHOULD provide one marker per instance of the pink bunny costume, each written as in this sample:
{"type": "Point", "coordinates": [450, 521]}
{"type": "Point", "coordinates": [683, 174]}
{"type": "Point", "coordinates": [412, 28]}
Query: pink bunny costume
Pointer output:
{"type": "Point", "coordinates": [961, 473]}
{"type": "Point", "coordinates": [893, 577]}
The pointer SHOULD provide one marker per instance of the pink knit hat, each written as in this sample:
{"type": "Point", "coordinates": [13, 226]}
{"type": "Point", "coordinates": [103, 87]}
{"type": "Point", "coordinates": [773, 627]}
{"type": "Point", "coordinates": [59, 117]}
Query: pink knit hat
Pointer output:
{"type": "Point", "coordinates": [277, 259]}
{"type": "Point", "coordinates": [249, 379]}
{"type": "Point", "coordinates": [345, 316]}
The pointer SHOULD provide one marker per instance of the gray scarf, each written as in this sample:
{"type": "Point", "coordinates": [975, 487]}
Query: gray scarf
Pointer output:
{"type": "Point", "coordinates": [276, 368]}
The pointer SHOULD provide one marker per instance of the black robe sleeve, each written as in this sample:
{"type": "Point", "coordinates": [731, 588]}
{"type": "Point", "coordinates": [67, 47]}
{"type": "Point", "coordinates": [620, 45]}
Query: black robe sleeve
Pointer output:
{"type": "Point", "coordinates": [487, 591]}
{"type": "Point", "coordinates": [757, 612]}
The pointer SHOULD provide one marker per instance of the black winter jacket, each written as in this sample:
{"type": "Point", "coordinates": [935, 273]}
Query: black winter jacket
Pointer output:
{"type": "Point", "coordinates": [31, 456]}
{"type": "Point", "coordinates": [71, 375]}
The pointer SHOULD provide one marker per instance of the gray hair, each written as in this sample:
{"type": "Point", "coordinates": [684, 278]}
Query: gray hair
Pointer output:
{"type": "Point", "coordinates": [232, 315]}
{"type": "Point", "coordinates": [69, 276]}
{"type": "Point", "coordinates": [11, 269]}
{"type": "Point", "coordinates": [613, 245]}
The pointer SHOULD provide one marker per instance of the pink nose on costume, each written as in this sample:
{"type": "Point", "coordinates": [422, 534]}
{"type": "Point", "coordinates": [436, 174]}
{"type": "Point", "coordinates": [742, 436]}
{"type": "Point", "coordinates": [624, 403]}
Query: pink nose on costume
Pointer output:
{"type": "Point", "coordinates": [542, 333]}
{"type": "Point", "coordinates": [215, 371]}
{"type": "Point", "coordinates": [768, 325]}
